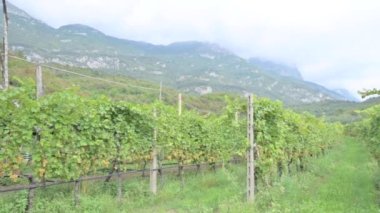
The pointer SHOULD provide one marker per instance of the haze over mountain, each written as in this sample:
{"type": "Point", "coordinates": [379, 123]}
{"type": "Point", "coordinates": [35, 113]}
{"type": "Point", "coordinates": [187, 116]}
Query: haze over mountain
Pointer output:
{"type": "Point", "coordinates": [276, 68]}
{"type": "Point", "coordinates": [194, 67]}
{"type": "Point", "coordinates": [347, 94]}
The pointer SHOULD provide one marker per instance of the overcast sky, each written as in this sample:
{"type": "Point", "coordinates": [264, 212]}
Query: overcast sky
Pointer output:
{"type": "Point", "coordinates": [333, 42]}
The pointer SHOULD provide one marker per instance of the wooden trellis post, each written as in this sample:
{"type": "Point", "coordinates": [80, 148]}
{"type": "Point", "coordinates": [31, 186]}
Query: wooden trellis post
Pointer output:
{"type": "Point", "coordinates": [39, 84]}
{"type": "Point", "coordinates": [180, 165]}
{"type": "Point", "coordinates": [29, 204]}
{"type": "Point", "coordinates": [179, 104]}
{"type": "Point", "coordinates": [4, 57]}
{"type": "Point", "coordinates": [153, 170]}
{"type": "Point", "coordinates": [250, 152]}
{"type": "Point", "coordinates": [76, 192]}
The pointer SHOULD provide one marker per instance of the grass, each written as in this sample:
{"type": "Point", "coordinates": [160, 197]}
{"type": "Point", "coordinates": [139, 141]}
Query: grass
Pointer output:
{"type": "Point", "coordinates": [341, 181]}
{"type": "Point", "coordinates": [202, 193]}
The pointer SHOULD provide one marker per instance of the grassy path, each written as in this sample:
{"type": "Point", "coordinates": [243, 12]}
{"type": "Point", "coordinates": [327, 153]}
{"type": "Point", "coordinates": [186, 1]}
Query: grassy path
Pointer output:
{"type": "Point", "coordinates": [342, 181]}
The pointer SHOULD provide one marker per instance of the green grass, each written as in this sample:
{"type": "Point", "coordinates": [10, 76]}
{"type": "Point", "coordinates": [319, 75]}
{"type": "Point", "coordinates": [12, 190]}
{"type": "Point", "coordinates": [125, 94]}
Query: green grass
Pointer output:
{"type": "Point", "coordinates": [341, 181]}
{"type": "Point", "coordinates": [202, 193]}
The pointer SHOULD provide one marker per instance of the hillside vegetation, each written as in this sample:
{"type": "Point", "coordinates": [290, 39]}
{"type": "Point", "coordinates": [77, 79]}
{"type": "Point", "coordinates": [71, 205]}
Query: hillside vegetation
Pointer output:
{"type": "Point", "coordinates": [130, 90]}
{"type": "Point", "coordinates": [340, 111]}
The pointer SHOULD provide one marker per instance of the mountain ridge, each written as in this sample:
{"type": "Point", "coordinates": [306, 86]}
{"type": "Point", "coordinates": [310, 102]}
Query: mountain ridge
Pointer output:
{"type": "Point", "coordinates": [276, 68]}
{"type": "Point", "coordinates": [192, 66]}
{"type": "Point", "coordinates": [347, 94]}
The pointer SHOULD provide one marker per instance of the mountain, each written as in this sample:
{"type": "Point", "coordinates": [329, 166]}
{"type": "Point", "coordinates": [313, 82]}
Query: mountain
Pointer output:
{"type": "Point", "coordinates": [341, 111]}
{"type": "Point", "coordinates": [347, 94]}
{"type": "Point", "coordinates": [193, 67]}
{"type": "Point", "coordinates": [276, 68]}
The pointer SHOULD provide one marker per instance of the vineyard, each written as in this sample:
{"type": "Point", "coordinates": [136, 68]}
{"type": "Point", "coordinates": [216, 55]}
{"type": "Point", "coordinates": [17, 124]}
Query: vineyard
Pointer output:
{"type": "Point", "coordinates": [369, 129]}
{"type": "Point", "coordinates": [65, 136]}
{"type": "Point", "coordinates": [73, 139]}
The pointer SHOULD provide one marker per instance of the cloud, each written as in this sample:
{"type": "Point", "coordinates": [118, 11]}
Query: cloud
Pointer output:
{"type": "Point", "coordinates": [334, 42]}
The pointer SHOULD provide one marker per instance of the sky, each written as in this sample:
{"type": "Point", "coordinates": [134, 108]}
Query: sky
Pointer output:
{"type": "Point", "coordinates": [335, 43]}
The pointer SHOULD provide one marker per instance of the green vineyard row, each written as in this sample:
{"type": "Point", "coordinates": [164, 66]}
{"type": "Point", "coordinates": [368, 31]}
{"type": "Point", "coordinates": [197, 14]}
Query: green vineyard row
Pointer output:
{"type": "Point", "coordinates": [369, 129]}
{"type": "Point", "coordinates": [69, 136]}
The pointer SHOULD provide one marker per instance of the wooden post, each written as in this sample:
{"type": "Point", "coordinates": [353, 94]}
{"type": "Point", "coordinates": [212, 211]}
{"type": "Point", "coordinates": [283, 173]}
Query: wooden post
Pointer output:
{"type": "Point", "coordinates": [250, 152]}
{"type": "Point", "coordinates": [180, 164]}
{"type": "Point", "coordinates": [76, 192]}
{"type": "Point", "coordinates": [5, 47]}
{"type": "Point", "coordinates": [118, 162]}
{"type": "Point", "coordinates": [29, 204]}
{"type": "Point", "coordinates": [39, 85]}
{"type": "Point", "coordinates": [153, 170]}
{"type": "Point", "coordinates": [179, 104]}
{"type": "Point", "coordinates": [119, 185]}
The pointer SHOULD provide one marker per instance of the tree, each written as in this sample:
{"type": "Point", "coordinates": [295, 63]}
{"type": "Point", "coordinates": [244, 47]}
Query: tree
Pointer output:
{"type": "Point", "coordinates": [365, 93]}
